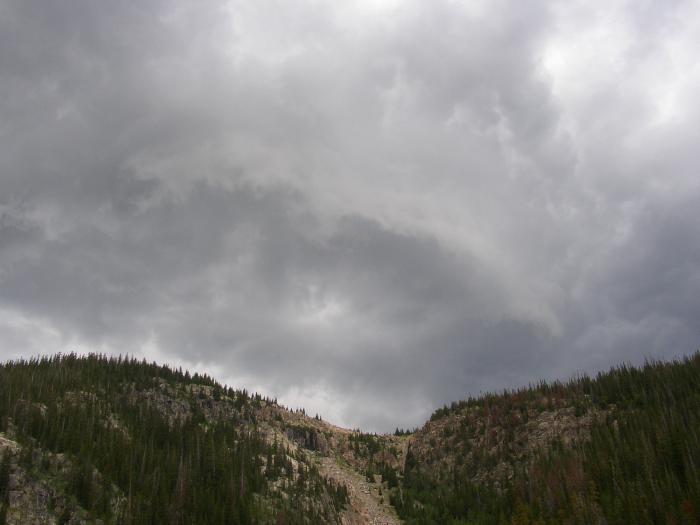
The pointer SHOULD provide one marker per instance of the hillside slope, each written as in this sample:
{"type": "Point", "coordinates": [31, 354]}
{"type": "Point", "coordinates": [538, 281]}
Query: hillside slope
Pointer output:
{"type": "Point", "coordinates": [621, 448]}
{"type": "Point", "coordinates": [104, 440]}
{"type": "Point", "coordinates": [101, 440]}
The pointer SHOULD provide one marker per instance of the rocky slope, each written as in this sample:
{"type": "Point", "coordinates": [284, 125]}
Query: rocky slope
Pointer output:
{"type": "Point", "coordinates": [623, 447]}
{"type": "Point", "coordinates": [492, 444]}
{"type": "Point", "coordinates": [301, 469]}
{"type": "Point", "coordinates": [98, 440]}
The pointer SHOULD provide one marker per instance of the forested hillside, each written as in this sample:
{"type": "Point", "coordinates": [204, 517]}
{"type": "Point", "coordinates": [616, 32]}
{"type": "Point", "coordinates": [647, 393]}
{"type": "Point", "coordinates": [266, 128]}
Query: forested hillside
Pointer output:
{"type": "Point", "coordinates": [621, 448]}
{"type": "Point", "coordinates": [94, 439]}
{"type": "Point", "coordinates": [111, 440]}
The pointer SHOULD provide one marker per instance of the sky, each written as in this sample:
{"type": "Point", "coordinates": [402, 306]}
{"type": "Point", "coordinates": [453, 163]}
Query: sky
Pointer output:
{"type": "Point", "coordinates": [367, 209]}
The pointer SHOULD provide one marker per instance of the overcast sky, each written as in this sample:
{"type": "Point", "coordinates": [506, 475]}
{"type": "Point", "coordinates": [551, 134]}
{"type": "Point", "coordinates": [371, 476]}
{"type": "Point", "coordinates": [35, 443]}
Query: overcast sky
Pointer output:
{"type": "Point", "coordinates": [366, 208]}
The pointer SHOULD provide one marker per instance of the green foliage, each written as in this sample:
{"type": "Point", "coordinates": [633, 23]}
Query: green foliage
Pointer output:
{"type": "Point", "coordinates": [4, 476]}
{"type": "Point", "coordinates": [4, 485]}
{"type": "Point", "coordinates": [640, 465]}
{"type": "Point", "coordinates": [190, 470]}
{"type": "Point", "coordinates": [388, 474]}
{"type": "Point", "coordinates": [365, 445]}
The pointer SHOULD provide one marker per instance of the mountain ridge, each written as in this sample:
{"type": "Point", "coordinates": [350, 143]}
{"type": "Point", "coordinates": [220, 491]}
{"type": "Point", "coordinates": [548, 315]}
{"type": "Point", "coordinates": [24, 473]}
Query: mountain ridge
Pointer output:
{"type": "Point", "coordinates": [99, 439]}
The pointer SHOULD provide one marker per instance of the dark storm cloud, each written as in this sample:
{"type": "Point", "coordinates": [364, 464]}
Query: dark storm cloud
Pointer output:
{"type": "Point", "coordinates": [366, 209]}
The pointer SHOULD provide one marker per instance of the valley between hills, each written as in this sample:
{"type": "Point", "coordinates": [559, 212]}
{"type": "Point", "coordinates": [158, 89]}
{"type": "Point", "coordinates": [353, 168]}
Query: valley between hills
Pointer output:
{"type": "Point", "coordinates": [107, 440]}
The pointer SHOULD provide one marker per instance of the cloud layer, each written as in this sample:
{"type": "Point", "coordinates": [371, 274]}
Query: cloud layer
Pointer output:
{"type": "Point", "coordinates": [366, 209]}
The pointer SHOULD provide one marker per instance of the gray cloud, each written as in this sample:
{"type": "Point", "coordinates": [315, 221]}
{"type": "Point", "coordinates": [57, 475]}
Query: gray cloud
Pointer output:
{"type": "Point", "coordinates": [367, 209]}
